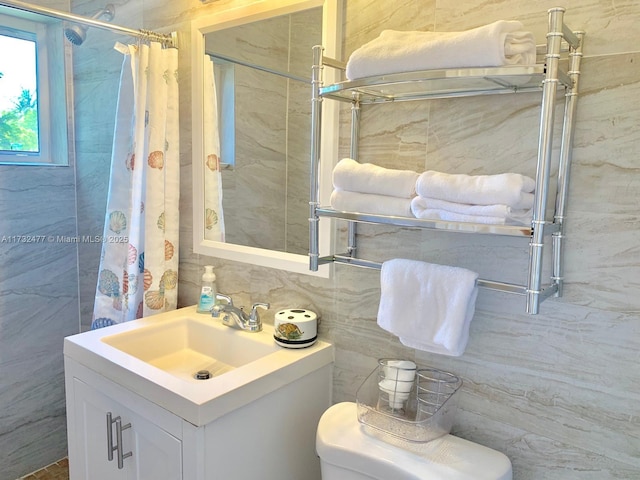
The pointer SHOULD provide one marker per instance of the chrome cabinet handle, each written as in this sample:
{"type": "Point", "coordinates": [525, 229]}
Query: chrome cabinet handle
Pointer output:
{"type": "Point", "coordinates": [110, 447]}
{"type": "Point", "coordinates": [121, 454]}
{"type": "Point", "coordinates": [118, 446]}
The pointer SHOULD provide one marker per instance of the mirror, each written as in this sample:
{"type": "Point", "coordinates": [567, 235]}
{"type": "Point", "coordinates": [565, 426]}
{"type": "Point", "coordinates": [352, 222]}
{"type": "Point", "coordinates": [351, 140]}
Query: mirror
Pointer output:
{"type": "Point", "coordinates": [261, 58]}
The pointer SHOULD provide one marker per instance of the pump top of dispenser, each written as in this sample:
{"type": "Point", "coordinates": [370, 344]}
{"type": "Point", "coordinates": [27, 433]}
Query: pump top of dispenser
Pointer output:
{"type": "Point", "coordinates": [208, 275]}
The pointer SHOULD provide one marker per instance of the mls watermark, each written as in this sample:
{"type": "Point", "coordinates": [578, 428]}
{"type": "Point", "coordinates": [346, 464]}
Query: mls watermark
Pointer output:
{"type": "Point", "coordinates": [63, 239]}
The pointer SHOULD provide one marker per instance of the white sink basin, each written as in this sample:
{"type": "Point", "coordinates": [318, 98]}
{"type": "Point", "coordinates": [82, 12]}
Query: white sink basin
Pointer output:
{"type": "Point", "coordinates": [157, 357]}
{"type": "Point", "coordinates": [186, 345]}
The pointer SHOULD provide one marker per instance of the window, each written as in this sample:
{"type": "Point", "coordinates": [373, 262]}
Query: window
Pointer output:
{"type": "Point", "coordinates": [19, 93]}
{"type": "Point", "coordinates": [33, 99]}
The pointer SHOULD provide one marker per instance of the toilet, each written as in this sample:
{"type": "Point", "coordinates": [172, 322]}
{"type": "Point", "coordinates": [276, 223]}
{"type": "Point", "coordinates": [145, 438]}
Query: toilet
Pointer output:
{"type": "Point", "coordinates": [347, 452]}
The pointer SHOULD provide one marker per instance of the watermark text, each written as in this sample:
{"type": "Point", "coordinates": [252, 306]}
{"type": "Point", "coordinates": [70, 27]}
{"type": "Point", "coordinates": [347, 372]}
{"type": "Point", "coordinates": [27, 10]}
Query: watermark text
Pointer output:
{"type": "Point", "coordinates": [63, 239]}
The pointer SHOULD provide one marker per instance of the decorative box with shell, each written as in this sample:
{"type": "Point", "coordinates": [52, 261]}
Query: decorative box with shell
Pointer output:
{"type": "Point", "coordinates": [295, 328]}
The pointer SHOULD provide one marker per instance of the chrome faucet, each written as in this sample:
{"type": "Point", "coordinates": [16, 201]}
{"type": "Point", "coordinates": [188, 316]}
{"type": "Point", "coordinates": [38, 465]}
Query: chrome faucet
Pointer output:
{"type": "Point", "coordinates": [235, 317]}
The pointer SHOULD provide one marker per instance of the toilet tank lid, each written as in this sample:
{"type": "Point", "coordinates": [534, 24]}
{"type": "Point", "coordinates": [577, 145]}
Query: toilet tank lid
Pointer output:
{"type": "Point", "coordinates": [341, 441]}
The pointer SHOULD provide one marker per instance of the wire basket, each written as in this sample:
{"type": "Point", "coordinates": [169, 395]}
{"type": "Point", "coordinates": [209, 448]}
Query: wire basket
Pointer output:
{"type": "Point", "coordinates": [413, 404]}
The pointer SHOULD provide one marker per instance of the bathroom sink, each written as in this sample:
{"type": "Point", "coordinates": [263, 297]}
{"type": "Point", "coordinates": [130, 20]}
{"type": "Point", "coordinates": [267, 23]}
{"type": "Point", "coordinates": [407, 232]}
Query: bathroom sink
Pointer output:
{"type": "Point", "coordinates": [185, 346]}
{"type": "Point", "coordinates": [159, 356]}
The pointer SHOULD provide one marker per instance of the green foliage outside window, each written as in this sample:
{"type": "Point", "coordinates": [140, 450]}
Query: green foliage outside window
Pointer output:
{"type": "Point", "coordinates": [19, 124]}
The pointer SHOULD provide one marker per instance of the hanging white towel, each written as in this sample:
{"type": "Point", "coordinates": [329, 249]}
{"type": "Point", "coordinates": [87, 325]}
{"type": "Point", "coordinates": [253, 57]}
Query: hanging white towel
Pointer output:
{"type": "Point", "coordinates": [429, 307]}
{"type": "Point", "coordinates": [511, 189]}
{"type": "Point", "coordinates": [353, 176]}
{"type": "Point", "coordinates": [500, 43]}
{"type": "Point", "coordinates": [435, 209]}
{"type": "Point", "coordinates": [368, 203]}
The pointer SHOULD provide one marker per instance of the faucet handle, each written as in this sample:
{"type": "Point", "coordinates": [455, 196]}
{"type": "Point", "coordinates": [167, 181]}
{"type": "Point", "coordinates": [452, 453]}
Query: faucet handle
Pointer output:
{"type": "Point", "coordinates": [226, 298]}
{"type": "Point", "coordinates": [254, 310]}
{"type": "Point", "coordinates": [217, 308]}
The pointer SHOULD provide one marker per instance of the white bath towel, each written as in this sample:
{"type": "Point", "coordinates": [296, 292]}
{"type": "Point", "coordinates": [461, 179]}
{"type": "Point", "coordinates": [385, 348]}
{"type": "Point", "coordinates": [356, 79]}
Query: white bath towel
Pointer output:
{"type": "Point", "coordinates": [429, 307]}
{"type": "Point", "coordinates": [353, 176]}
{"type": "Point", "coordinates": [368, 203]}
{"type": "Point", "coordinates": [434, 209]}
{"type": "Point", "coordinates": [511, 189]}
{"type": "Point", "coordinates": [500, 43]}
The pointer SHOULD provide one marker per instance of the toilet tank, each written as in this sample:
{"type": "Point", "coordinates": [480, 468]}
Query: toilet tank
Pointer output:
{"type": "Point", "coordinates": [347, 452]}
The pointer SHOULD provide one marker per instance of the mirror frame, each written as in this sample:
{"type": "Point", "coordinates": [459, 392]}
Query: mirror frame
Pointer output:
{"type": "Point", "coordinates": [331, 40]}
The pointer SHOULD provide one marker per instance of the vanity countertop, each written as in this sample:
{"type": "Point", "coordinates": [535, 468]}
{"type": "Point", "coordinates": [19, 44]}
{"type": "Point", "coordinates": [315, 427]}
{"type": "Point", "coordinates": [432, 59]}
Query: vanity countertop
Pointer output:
{"type": "Point", "coordinates": [260, 366]}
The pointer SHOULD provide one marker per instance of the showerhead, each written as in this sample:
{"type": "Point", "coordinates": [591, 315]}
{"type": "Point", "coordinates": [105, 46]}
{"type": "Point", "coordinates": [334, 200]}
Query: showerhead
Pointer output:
{"type": "Point", "coordinates": [76, 33]}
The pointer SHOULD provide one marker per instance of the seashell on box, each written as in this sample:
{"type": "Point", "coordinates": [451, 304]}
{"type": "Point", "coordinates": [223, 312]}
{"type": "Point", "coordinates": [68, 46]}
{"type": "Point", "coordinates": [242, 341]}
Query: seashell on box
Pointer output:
{"type": "Point", "coordinates": [156, 159]}
{"type": "Point", "coordinates": [295, 328]}
{"type": "Point", "coordinates": [117, 221]}
{"type": "Point", "coordinates": [160, 222]}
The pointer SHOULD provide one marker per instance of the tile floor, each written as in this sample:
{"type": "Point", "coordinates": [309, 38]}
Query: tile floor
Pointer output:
{"type": "Point", "coordinates": [55, 471]}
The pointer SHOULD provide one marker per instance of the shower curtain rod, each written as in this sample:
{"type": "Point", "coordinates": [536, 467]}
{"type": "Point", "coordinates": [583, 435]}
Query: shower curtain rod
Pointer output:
{"type": "Point", "coordinates": [167, 40]}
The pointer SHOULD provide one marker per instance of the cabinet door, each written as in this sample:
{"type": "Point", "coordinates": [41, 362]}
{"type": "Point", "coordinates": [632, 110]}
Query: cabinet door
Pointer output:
{"type": "Point", "coordinates": [155, 453]}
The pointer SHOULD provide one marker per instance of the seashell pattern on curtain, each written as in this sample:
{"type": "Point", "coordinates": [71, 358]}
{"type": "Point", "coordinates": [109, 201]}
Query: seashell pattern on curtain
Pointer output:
{"type": "Point", "coordinates": [138, 273]}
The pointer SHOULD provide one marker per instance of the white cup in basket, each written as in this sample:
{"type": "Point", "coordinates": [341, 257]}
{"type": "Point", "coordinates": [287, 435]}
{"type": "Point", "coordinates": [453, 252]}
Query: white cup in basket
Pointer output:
{"type": "Point", "coordinates": [396, 380]}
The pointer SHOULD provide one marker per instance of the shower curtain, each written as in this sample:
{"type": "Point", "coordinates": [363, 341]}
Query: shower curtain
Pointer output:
{"type": "Point", "coordinates": [138, 274]}
{"type": "Point", "coordinates": [214, 217]}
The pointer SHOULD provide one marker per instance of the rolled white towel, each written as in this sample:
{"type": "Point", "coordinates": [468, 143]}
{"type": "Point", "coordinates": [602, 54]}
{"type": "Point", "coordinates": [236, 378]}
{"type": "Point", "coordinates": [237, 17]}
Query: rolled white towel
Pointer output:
{"type": "Point", "coordinates": [353, 176]}
{"type": "Point", "coordinates": [510, 189]}
{"type": "Point", "coordinates": [500, 43]}
{"type": "Point", "coordinates": [345, 201]}
{"type": "Point", "coordinates": [435, 209]}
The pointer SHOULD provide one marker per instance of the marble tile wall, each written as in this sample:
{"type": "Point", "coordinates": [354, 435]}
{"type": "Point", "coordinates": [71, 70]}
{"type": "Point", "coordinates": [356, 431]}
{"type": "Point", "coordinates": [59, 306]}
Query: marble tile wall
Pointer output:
{"type": "Point", "coordinates": [557, 392]}
{"type": "Point", "coordinates": [38, 308]}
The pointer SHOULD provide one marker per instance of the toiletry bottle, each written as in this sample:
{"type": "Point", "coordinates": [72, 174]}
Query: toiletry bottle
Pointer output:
{"type": "Point", "coordinates": [208, 290]}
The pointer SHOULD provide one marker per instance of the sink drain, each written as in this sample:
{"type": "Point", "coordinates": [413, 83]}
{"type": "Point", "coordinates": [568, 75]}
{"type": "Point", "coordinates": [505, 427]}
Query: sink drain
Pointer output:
{"type": "Point", "coordinates": [202, 375]}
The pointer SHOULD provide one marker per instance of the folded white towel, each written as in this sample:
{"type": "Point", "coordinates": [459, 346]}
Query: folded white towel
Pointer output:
{"type": "Point", "coordinates": [434, 209]}
{"type": "Point", "coordinates": [353, 176]}
{"type": "Point", "coordinates": [428, 306]}
{"type": "Point", "coordinates": [510, 189]}
{"type": "Point", "coordinates": [368, 203]}
{"type": "Point", "coordinates": [499, 43]}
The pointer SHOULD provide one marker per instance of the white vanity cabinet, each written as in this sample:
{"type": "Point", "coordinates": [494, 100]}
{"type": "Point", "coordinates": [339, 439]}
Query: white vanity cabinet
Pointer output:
{"type": "Point", "coordinates": [140, 447]}
{"type": "Point", "coordinates": [257, 421]}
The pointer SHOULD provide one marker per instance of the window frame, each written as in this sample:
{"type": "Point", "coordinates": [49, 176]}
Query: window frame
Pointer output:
{"type": "Point", "coordinates": [53, 146]}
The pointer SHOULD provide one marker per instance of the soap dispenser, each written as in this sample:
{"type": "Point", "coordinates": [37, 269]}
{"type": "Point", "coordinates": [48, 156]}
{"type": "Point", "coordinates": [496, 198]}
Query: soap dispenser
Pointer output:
{"type": "Point", "coordinates": [208, 290]}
